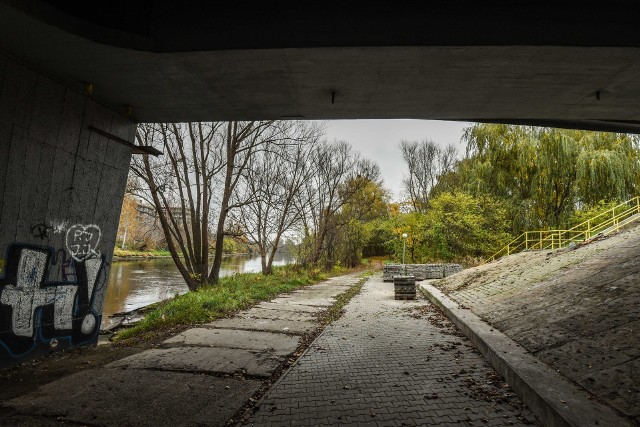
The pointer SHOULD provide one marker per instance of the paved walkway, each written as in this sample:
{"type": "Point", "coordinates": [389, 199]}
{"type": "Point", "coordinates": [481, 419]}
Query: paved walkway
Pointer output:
{"type": "Point", "coordinates": [201, 376]}
{"type": "Point", "coordinates": [391, 363]}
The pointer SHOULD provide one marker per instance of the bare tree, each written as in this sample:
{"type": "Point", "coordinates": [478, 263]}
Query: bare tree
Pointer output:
{"type": "Point", "coordinates": [180, 185]}
{"type": "Point", "coordinates": [271, 183]}
{"type": "Point", "coordinates": [426, 162]}
{"type": "Point", "coordinates": [202, 163]}
{"type": "Point", "coordinates": [333, 165]}
{"type": "Point", "coordinates": [242, 141]}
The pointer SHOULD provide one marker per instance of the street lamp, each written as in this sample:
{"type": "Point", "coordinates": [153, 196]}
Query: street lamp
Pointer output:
{"type": "Point", "coordinates": [404, 247]}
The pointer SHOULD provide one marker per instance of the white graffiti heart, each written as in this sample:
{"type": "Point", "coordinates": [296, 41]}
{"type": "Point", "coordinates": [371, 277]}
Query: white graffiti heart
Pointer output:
{"type": "Point", "coordinates": [82, 241]}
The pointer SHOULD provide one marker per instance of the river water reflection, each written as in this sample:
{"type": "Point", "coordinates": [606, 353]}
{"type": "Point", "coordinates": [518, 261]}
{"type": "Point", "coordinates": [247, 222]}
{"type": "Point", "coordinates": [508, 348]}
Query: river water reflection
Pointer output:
{"type": "Point", "coordinates": [134, 284]}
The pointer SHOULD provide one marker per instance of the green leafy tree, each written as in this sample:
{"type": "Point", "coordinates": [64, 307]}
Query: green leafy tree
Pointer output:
{"type": "Point", "coordinates": [459, 225]}
{"type": "Point", "coordinates": [367, 201]}
{"type": "Point", "coordinates": [554, 184]}
{"type": "Point", "coordinates": [607, 167]}
{"type": "Point", "coordinates": [411, 224]}
{"type": "Point", "coordinates": [544, 174]}
{"type": "Point", "coordinates": [380, 237]}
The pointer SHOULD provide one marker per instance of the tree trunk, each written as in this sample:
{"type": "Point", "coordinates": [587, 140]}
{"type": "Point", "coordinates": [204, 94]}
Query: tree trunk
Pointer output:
{"type": "Point", "coordinates": [214, 276]}
{"type": "Point", "coordinates": [266, 264]}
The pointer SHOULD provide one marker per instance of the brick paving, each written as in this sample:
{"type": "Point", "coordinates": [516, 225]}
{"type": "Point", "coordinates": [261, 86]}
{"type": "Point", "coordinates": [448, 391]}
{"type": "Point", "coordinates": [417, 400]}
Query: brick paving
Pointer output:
{"type": "Point", "coordinates": [391, 363]}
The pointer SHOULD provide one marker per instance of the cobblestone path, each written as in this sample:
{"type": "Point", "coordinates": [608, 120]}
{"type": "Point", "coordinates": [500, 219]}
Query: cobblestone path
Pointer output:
{"type": "Point", "coordinates": [391, 363]}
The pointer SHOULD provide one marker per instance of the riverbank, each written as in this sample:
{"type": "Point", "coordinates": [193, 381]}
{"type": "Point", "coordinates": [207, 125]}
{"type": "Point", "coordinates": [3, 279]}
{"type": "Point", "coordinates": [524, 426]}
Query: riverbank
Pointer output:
{"type": "Point", "coordinates": [125, 255]}
{"type": "Point", "coordinates": [138, 283]}
{"type": "Point", "coordinates": [128, 255]}
{"type": "Point", "coordinates": [231, 294]}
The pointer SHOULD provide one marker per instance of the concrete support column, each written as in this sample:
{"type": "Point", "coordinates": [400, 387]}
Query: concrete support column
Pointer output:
{"type": "Point", "coordinates": [61, 189]}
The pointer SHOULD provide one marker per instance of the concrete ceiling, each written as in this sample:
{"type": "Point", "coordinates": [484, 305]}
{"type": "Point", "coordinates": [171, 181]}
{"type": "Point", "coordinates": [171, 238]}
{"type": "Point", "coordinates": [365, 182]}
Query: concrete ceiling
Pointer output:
{"type": "Point", "coordinates": [551, 63]}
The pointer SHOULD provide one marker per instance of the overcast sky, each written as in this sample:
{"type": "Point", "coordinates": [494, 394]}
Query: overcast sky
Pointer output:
{"type": "Point", "coordinates": [379, 140]}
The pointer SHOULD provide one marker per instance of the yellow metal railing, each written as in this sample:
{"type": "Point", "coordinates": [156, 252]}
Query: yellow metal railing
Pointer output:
{"type": "Point", "coordinates": [608, 221]}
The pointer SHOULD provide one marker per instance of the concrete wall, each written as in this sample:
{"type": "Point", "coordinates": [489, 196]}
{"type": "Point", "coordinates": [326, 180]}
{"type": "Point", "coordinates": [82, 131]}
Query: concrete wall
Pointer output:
{"type": "Point", "coordinates": [61, 189]}
{"type": "Point", "coordinates": [419, 271]}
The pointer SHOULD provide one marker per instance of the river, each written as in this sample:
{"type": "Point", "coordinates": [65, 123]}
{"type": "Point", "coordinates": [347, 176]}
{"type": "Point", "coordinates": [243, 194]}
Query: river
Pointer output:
{"type": "Point", "coordinates": [134, 284]}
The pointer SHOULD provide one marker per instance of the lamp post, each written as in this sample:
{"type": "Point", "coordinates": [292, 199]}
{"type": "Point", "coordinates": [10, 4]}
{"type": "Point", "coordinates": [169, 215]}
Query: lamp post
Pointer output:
{"type": "Point", "coordinates": [404, 247]}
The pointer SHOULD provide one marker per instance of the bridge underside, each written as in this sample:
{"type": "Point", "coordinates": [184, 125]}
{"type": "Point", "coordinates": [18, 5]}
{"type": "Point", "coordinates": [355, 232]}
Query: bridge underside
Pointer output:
{"type": "Point", "coordinates": [76, 77]}
{"type": "Point", "coordinates": [567, 65]}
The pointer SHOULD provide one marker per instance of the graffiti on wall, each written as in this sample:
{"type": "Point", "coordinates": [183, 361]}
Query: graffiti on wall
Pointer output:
{"type": "Point", "coordinates": [82, 241]}
{"type": "Point", "coordinates": [41, 230]}
{"type": "Point", "coordinates": [37, 313]}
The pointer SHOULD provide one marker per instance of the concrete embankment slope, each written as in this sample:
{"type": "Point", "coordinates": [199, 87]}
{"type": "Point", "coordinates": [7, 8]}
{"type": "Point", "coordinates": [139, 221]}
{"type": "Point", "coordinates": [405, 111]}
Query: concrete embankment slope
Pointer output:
{"type": "Point", "coordinates": [578, 310]}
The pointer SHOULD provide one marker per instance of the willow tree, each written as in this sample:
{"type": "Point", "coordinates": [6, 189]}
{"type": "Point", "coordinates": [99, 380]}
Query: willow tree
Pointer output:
{"type": "Point", "coordinates": [545, 173]}
{"type": "Point", "coordinates": [607, 167]}
{"type": "Point", "coordinates": [502, 161]}
{"type": "Point", "coordinates": [554, 185]}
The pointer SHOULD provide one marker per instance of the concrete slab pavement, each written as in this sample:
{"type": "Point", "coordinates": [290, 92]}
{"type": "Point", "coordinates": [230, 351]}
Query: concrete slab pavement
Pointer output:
{"type": "Point", "coordinates": [301, 308]}
{"type": "Point", "coordinates": [263, 313]}
{"type": "Point", "coordinates": [204, 360]}
{"type": "Point", "coordinates": [279, 344]}
{"type": "Point", "coordinates": [202, 376]}
{"type": "Point", "coordinates": [131, 397]}
{"type": "Point", "coordinates": [267, 325]}
{"type": "Point", "coordinates": [304, 300]}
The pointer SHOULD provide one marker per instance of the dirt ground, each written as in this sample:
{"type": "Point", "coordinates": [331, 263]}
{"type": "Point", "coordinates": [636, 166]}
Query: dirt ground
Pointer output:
{"type": "Point", "coordinates": [576, 309]}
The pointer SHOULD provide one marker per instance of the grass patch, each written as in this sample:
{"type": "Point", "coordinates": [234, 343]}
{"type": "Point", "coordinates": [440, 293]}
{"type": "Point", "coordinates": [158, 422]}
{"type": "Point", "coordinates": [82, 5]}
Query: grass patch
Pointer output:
{"type": "Point", "coordinates": [143, 254]}
{"type": "Point", "coordinates": [337, 309]}
{"type": "Point", "coordinates": [213, 302]}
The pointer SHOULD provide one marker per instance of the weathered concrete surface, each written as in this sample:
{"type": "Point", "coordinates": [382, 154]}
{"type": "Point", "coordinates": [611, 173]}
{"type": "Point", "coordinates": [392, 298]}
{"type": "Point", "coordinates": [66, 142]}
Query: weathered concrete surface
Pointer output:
{"type": "Point", "coordinates": [142, 389]}
{"type": "Point", "coordinates": [116, 397]}
{"type": "Point", "coordinates": [419, 271]}
{"type": "Point", "coordinates": [204, 359]}
{"type": "Point", "coordinates": [267, 325]}
{"type": "Point", "coordinates": [261, 313]}
{"type": "Point", "coordinates": [391, 363]}
{"type": "Point", "coordinates": [555, 400]}
{"type": "Point", "coordinates": [521, 65]}
{"type": "Point", "coordinates": [329, 293]}
{"type": "Point", "coordinates": [61, 189]}
{"type": "Point", "coordinates": [280, 344]}
{"type": "Point", "coordinates": [576, 310]}
{"type": "Point", "coordinates": [301, 300]}
{"type": "Point", "coordinates": [300, 308]}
